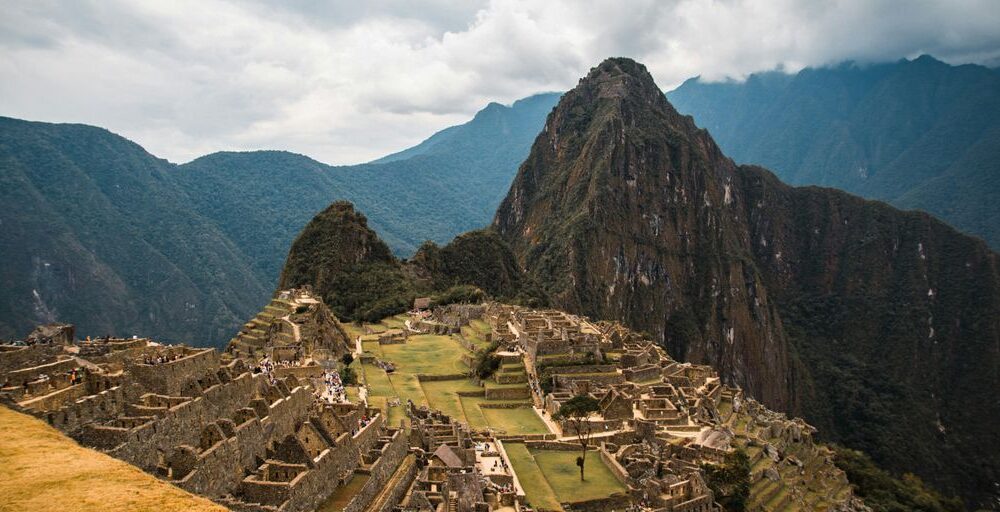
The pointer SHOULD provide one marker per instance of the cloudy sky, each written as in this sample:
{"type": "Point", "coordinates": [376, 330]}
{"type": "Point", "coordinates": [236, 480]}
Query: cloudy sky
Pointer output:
{"type": "Point", "coordinates": [353, 80]}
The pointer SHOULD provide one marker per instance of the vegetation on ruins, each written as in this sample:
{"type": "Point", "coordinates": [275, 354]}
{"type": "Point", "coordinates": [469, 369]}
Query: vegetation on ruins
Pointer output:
{"type": "Point", "coordinates": [459, 294]}
{"type": "Point", "coordinates": [730, 480]}
{"type": "Point", "coordinates": [487, 362]}
{"type": "Point", "coordinates": [348, 376]}
{"type": "Point", "coordinates": [883, 492]}
{"type": "Point", "coordinates": [576, 412]}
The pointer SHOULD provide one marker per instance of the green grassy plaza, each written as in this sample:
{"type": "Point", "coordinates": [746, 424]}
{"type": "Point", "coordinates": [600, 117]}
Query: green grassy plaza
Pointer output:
{"type": "Point", "coordinates": [550, 477]}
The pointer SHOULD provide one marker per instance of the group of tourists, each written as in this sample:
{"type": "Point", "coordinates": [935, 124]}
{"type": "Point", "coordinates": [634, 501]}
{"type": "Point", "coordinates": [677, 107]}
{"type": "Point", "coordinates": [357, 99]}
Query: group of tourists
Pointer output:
{"type": "Point", "coordinates": [159, 359]}
{"type": "Point", "coordinates": [334, 391]}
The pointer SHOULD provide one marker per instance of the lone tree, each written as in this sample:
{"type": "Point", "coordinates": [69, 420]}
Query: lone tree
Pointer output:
{"type": "Point", "coordinates": [576, 411]}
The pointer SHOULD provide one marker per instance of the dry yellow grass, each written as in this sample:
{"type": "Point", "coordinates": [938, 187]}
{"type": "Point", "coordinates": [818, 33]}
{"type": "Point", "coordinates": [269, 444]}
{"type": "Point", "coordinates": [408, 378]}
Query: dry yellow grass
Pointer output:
{"type": "Point", "coordinates": [43, 470]}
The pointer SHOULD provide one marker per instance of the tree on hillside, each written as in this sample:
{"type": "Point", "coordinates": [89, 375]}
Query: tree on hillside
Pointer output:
{"type": "Point", "coordinates": [730, 481]}
{"type": "Point", "coordinates": [576, 412]}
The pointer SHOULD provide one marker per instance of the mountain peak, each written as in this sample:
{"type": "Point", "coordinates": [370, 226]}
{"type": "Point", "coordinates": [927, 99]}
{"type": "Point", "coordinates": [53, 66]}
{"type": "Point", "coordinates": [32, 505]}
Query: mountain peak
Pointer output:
{"type": "Point", "coordinates": [620, 77]}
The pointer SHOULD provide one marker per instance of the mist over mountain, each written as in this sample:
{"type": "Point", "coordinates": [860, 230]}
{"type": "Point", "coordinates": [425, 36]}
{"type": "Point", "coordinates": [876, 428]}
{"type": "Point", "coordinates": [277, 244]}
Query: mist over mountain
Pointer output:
{"type": "Point", "coordinates": [878, 325]}
{"type": "Point", "coordinates": [919, 134]}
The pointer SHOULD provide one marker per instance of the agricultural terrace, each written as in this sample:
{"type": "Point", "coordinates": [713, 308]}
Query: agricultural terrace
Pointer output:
{"type": "Point", "coordinates": [430, 355]}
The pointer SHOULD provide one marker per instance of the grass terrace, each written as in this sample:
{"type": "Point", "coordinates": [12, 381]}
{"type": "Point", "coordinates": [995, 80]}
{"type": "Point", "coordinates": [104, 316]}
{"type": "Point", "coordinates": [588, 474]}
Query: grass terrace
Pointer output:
{"type": "Point", "coordinates": [427, 354]}
{"type": "Point", "coordinates": [550, 477]}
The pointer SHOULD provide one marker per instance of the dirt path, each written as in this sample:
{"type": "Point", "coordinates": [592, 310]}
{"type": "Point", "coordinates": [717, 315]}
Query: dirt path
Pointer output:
{"type": "Point", "coordinates": [295, 327]}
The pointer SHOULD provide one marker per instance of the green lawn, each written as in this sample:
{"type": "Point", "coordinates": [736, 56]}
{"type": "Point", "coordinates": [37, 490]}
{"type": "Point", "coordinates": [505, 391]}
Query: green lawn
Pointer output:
{"type": "Point", "coordinates": [395, 322]}
{"type": "Point", "coordinates": [372, 347]}
{"type": "Point", "coordinates": [562, 474]}
{"type": "Point", "coordinates": [378, 382]}
{"type": "Point", "coordinates": [540, 495]}
{"type": "Point", "coordinates": [443, 396]}
{"type": "Point", "coordinates": [522, 420]}
{"type": "Point", "coordinates": [473, 413]}
{"type": "Point", "coordinates": [408, 388]}
{"type": "Point", "coordinates": [427, 354]}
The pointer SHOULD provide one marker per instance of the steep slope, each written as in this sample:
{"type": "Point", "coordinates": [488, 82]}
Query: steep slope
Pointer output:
{"type": "Point", "coordinates": [95, 233]}
{"type": "Point", "coordinates": [879, 325]}
{"type": "Point", "coordinates": [624, 210]}
{"type": "Point", "coordinates": [919, 134]}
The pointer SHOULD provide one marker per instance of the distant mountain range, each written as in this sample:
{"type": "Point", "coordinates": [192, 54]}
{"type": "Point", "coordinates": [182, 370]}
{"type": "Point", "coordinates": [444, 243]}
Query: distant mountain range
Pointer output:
{"type": "Point", "coordinates": [109, 237]}
{"type": "Point", "coordinates": [919, 134]}
{"type": "Point", "coordinates": [98, 232]}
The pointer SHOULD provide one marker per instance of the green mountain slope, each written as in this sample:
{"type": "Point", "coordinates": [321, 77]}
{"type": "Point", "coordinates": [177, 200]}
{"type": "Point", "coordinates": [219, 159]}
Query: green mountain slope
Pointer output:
{"type": "Point", "coordinates": [880, 326]}
{"type": "Point", "coordinates": [919, 134]}
{"type": "Point", "coordinates": [108, 237]}
{"type": "Point", "coordinates": [95, 232]}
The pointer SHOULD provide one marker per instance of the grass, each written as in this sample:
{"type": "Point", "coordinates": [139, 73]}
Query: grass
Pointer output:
{"type": "Point", "coordinates": [473, 413]}
{"type": "Point", "coordinates": [43, 470]}
{"type": "Point", "coordinates": [408, 388]}
{"type": "Point", "coordinates": [441, 355]}
{"type": "Point", "coordinates": [529, 474]}
{"type": "Point", "coordinates": [522, 420]}
{"type": "Point", "coordinates": [372, 347]}
{"type": "Point", "coordinates": [427, 354]}
{"type": "Point", "coordinates": [562, 474]}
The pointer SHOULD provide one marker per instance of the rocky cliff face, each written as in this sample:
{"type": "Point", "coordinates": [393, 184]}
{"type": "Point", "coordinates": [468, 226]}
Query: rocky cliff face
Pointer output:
{"type": "Point", "coordinates": [879, 325]}
{"type": "Point", "coordinates": [626, 210]}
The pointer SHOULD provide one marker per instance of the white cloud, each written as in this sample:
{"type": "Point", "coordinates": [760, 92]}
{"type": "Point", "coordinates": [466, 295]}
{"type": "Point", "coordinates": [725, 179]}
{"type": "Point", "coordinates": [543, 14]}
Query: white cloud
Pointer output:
{"type": "Point", "coordinates": [350, 81]}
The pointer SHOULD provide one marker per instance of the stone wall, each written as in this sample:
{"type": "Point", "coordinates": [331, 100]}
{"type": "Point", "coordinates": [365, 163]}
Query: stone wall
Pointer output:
{"type": "Point", "coordinates": [380, 473]}
{"type": "Point", "coordinates": [13, 358]}
{"type": "Point", "coordinates": [102, 406]}
{"type": "Point", "coordinates": [171, 378]}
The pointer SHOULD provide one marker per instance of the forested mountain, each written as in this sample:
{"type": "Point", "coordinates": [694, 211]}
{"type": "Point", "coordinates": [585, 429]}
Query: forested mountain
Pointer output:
{"type": "Point", "coordinates": [99, 233]}
{"type": "Point", "coordinates": [879, 326]}
{"type": "Point", "coordinates": [347, 264]}
{"type": "Point", "coordinates": [920, 134]}
{"type": "Point", "coordinates": [94, 231]}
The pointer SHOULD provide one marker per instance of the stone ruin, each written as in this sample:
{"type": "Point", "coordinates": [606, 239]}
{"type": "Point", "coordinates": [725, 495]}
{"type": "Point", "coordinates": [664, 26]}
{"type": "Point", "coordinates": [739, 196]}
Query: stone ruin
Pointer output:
{"type": "Point", "coordinates": [256, 437]}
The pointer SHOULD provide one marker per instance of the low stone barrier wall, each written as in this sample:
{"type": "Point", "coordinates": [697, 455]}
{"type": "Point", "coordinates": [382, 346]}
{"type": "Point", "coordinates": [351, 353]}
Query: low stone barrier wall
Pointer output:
{"type": "Point", "coordinates": [615, 467]}
{"type": "Point", "coordinates": [613, 502]}
{"type": "Point", "coordinates": [507, 393]}
{"type": "Point", "coordinates": [434, 378]}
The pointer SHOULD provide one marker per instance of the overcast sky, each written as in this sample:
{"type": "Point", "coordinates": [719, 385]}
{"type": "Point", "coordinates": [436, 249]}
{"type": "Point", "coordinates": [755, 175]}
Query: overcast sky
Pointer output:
{"type": "Point", "coordinates": [356, 80]}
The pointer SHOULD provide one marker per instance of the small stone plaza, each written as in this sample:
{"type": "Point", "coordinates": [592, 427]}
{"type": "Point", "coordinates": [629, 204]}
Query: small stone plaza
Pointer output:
{"type": "Point", "coordinates": [302, 412]}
